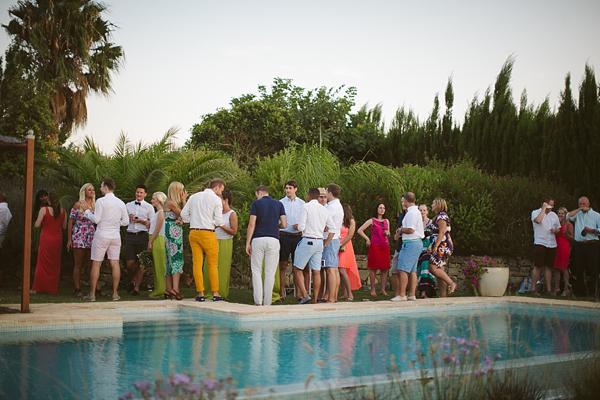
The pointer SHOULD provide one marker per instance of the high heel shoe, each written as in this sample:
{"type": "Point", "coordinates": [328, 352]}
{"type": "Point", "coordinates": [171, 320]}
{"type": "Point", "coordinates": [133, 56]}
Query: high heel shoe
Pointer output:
{"type": "Point", "coordinates": [177, 295]}
{"type": "Point", "coordinates": [169, 295]}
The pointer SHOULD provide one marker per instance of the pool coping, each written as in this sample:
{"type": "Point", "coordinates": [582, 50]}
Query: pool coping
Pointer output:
{"type": "Point", "coordinates": [65, 316]}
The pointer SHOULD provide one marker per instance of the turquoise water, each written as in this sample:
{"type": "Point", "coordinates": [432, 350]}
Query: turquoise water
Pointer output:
{"type": "Point", "coordinates": [104, 364]}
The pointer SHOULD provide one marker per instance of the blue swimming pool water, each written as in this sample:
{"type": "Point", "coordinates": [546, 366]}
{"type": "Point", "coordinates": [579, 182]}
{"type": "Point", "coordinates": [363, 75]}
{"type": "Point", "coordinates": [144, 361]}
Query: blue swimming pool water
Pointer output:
{"type": "Point", "coordinates": [102, 365]}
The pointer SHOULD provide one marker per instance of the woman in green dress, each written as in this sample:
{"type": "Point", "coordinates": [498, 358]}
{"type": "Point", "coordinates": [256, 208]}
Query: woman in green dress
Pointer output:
{"type": "Point", "coordinates": [174, 238]}
{"type": "Point", "coordinates": [225, 234]}
{"type": "Point", "coordinates": [156, 245]}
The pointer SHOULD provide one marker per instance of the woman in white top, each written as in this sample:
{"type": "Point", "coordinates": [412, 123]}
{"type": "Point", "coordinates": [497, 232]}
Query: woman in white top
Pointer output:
{"type": "Point", "coordinates": [156, 245]}
{"type": "Point", "coordinates": [225, 234]}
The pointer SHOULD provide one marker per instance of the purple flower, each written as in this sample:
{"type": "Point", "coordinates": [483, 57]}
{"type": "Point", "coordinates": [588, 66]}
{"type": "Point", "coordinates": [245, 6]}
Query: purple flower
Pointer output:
{"type": "Point", "coordinates": [143, 386]}
{"type": "Point", "coordinates": [126, 396]}
{"type": "Point", "coordinates": [211, 384]}
{"type": "Point", "coordinates": [498, 356]}
{"type": "Point", "coordinates": [461, 341]}
{"type": "Point", "coordinates": [194, 388]}
{"type": "Point", "coordinates": [178, 379]}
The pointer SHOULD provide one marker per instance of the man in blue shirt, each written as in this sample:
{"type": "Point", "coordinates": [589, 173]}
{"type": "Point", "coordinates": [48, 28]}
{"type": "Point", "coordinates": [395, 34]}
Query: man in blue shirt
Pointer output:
{"type": "Point", "coordinates": [267, 215]}
{"type": "Point", "coordinates": [585, 248]}
{"type": "Point", "coordinates": [289, 236]}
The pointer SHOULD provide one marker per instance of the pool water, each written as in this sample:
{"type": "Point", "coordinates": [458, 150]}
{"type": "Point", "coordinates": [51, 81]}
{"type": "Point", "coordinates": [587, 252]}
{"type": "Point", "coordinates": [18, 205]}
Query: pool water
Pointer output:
{"type": "Point", "coordinates": [268, 354]}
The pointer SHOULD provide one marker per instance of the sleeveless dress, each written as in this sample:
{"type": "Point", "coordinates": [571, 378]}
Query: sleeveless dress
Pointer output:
{"type": "Point", "coordinates": [82, 232]}
{"type": "Point", "coordinates": [225, 241]}
{"type": "Point", "coordinates": [347, 260]}
{"type": "Point", "coordinates": [426, 279]}
{"type": "Point", "coordinates": [446, 247]}
{"type": "Point", "coordinates": [379, 251]}
{"type": "Point", "coordinates": [159, 257]}
{"type": "Point", "coordinates": [563, 249]}
{"type": "Point", "coordinates": [47, 270]}
{"type": "Point", "coordinates": [173, 244]}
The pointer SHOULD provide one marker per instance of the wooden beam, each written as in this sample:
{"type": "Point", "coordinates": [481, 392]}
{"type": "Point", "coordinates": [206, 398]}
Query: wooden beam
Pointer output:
{"type": "Point", "coordinates": [28, 218]}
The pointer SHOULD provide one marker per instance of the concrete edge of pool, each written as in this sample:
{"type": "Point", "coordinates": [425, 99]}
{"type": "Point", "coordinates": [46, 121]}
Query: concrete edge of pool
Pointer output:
{"type": "Point", "coordinates": [55, 316]}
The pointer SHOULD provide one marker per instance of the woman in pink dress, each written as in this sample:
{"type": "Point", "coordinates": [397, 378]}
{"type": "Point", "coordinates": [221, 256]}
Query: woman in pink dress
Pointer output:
{"type": "Point", "coordinates": [378, 258]}
{"type": "Point", "coordinates": [564, 235]}
{"type": "Point", "coordinates": [53, 220]}
{"type": "Point", "coordinates": [349, 276]}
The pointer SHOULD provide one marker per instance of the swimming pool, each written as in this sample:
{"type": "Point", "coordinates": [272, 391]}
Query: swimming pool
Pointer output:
{"type": "Point", "coordinates": [280, 353]}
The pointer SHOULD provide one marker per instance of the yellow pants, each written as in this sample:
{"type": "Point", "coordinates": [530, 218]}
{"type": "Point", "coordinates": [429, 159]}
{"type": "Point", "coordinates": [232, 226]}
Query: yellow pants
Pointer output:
{"type": "Point", "coordinates": [205, 242]}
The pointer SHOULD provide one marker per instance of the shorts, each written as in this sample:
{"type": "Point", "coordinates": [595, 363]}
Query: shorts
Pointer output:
{"type": "Point", "coordinates": [309, 250]}
{"type": "Point", "coordinates": [330, 253]}
{"type": "Point", "coordinates": [544, 256]}
{"type": "Point", "coordinates": [409, 256]}
{"type": "Point", "coordinates": [135, 244]}
{"type": "Point", "coordinates": [104, 246]}
{"type": "Point", "coordinates": [394, 269]}
{"type": "Point", "coordinates": [287, 246]}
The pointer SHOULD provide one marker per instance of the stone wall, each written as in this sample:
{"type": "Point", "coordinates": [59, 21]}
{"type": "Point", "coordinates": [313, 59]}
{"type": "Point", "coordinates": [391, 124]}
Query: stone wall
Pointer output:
{"type": "Point", "coordinates": [519, 268]}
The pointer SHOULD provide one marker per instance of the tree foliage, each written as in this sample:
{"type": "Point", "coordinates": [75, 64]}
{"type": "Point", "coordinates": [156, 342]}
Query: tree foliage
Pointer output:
{"type": "Point", "coordinates": [65, 44]}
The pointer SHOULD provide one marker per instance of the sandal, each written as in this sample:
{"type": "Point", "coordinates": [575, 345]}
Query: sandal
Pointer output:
{"type": "Point", "coordinates": [566, 293]}
{"type": "Point", "coordinates": [78, 293]}
{"type": "Point", "coordinates": [452, 288]}
{"type": "Point", "coordinates": [100, 293]}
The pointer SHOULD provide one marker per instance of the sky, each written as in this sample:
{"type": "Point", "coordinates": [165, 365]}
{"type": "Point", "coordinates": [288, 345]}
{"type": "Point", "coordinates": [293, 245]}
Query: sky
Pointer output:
{"type": "Point", "coordinates": [188, 58]}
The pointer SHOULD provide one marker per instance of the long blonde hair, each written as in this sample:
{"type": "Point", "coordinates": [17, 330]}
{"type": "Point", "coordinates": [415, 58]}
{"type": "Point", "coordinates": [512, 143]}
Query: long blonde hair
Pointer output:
{"type": "Point", "coordinates": [174, 192]}
{"type": "Point", "coordinates": [441, 205]}
{"type": "Point", "coordinates": [82, 191]}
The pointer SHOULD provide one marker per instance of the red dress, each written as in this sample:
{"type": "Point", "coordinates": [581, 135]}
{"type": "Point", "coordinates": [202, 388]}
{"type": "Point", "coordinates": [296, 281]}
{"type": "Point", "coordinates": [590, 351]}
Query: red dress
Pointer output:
{"type": "Point", "coordinates": [47, 270]}
{"type": "Point", "coordinates": [563, 249]}
{"type": "Point", "coordinates": [379, 251]}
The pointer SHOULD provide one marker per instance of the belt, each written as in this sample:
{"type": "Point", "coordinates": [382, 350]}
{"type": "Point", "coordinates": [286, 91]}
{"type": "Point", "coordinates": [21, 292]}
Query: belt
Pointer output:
{"type": "Point", "coordinates": [313, 238]}
{"type": "Point", "coordinates": [587, 241]}
{"type": "Point", "coordinates": [202, 229]}
{"type": "Point", "coordinates": [290, 234]}
{"type": "Point", "coordinates": [137, 233]}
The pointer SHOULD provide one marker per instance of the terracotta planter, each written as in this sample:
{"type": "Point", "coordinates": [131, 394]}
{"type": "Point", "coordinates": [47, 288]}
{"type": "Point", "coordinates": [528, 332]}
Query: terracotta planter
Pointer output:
{"type": "Point", "coordinates": [493, 283]}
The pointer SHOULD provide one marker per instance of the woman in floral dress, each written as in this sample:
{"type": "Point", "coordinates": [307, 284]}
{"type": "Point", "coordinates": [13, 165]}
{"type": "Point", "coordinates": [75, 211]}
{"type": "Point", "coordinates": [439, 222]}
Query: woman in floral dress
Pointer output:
{"type": "Point", "coordinates": [176, 196]}
{"type": "Point", "coordinates": [441, 247]}
{"type": "Point", "coordinates": [81, 231]}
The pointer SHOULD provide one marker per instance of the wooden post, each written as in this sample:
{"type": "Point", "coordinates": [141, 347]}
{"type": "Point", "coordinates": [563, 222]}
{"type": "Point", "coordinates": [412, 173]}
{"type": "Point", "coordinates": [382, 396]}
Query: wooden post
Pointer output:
{"type": "Point", "coordinates": [28, 211]}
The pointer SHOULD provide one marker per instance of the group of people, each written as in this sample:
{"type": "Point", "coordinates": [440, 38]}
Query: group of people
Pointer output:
{"type": "Point", "coordinates": [317, 235]}
{"type": "Point", "coordinates": [553, 235]}
{"type": "Point", "coordinates": [94, 233]}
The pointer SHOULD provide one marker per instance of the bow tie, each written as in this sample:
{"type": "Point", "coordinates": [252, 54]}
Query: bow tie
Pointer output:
{"type": "Point", "coordinates": [137, 203]}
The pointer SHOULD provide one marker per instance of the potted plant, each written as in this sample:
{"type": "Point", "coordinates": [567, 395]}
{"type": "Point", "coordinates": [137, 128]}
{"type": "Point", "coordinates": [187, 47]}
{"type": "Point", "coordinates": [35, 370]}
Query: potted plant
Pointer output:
{"type": "Point", "coordinates": [487, 276]}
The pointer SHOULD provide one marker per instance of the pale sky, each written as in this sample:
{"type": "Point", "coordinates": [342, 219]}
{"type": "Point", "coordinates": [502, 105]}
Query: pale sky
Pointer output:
{"type": "Point", "coordinates": [186, 58]}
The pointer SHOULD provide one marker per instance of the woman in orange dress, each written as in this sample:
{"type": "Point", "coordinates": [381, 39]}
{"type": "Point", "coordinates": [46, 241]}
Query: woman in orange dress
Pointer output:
{"type": "Point", "coordinates": [347, 261]}
{"type": "Point", "coordinates": [53, 221]}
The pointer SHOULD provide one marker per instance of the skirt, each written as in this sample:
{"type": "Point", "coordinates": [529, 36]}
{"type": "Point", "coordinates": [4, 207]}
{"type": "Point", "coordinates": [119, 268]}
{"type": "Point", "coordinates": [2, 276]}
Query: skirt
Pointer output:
{"type": "Point", "coordinates": [379, 257]}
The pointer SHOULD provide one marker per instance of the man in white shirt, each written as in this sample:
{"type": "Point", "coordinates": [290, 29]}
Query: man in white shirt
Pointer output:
{"type": "Point", "coordinates": [412, 243]}
{"type": "Point", "coordinates": [544, 222]}
{"type": "Point", "coordinates": [136, 240]}
{"type": "Point", "coordinates": [330, 253]}
{"type": "Point", "coordinates": [5, 217]}
{"type": "Point", "coordinates": [313, 220]}
{"type": "Point", "coordinates": [110, 214]}
{"type": "Point", "coordinates": [290, 236]}
{"type": "Point", "coordinates": [204, 211]}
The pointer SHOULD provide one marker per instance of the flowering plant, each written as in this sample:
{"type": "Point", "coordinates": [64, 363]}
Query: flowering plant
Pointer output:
{"type": "Point", "coordinates": [181, 386]}
{"type": "Point", "coordinates": [145, 258]}
{"type": "Point", "coordinates": [478, 266]}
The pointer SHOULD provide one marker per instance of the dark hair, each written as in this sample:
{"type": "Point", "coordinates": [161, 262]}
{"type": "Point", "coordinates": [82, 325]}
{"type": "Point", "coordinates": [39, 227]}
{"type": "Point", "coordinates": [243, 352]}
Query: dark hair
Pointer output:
{"type": "Point", "coordinates": [216, 182]}
{"type": "Point", "coordinates": [313, 193]}
{"type": "Point", "coordinates": [109, 183]}
{"type": "Point", "coordinates": [334, 190]}
{"type": "Point", "coordinates": [142, 187]}
{"type": "Point", "coordinates": [546, 199]}
{"type": "Point", "coordinates": [293, 184]}
{"type": "Point", "coordinates": [375, 213]}
{"type": "Point", "coordinates": [55, 204]}
{"type": "Point", "coordinates": [262, 188]}
{"type": "Point", "coordinates": [226, 194]}
{"type": "Point", "coordinates": [2, 198]}
{"type": "Point", "coordinates": [37, 203]}
{"type": "Point", "coordinates": [347, 215]}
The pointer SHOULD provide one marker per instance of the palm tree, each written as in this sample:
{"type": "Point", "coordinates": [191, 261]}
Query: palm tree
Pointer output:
{"type": "Point", "coordinates": [66, 43]}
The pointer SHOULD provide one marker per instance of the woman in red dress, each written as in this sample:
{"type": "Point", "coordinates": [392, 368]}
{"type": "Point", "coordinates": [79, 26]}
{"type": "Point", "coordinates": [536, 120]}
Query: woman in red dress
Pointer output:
{"type": "Point", "coordinates": [347, 261]}
{"type": "Point", "coordinates": [53, 221]}
{"type": "Point", "coordinates": [378, 258]}
{"type": "Point", "coordinates": [564, 235]}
